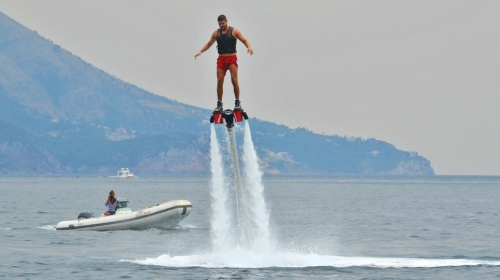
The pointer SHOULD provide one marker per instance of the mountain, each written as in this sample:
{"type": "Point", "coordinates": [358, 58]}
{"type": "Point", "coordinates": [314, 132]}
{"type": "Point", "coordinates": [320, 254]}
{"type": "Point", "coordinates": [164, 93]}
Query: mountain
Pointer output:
{"type": "Point", "coordinates": [59, 114]}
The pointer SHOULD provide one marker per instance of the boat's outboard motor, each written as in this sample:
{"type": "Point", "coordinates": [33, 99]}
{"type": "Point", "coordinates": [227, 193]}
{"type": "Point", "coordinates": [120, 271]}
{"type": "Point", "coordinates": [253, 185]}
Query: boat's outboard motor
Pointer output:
{"type": "Point", "coordinates": [86, 215]}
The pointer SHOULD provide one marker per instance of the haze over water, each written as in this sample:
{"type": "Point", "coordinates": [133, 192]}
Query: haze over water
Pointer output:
{"type": "Point", "coordinates": [344, 227]}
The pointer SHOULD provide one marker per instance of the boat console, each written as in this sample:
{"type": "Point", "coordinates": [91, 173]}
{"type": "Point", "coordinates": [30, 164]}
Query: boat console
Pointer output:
{"type": "Point", "coordinates": [124, 206]}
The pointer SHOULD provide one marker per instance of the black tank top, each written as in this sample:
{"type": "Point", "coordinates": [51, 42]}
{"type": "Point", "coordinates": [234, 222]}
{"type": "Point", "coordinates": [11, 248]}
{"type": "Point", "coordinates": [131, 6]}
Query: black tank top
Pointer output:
{"type": "Point", "coordinates": [226, 43]}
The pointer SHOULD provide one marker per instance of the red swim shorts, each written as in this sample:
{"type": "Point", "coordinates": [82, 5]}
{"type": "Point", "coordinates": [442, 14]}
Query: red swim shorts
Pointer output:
{"type": "Point", "coordinates": [224, 61]}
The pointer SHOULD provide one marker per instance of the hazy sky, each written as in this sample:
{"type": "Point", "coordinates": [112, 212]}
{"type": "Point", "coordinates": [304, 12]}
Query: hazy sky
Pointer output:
{"type": "Point", "coordinates": [422, 75]}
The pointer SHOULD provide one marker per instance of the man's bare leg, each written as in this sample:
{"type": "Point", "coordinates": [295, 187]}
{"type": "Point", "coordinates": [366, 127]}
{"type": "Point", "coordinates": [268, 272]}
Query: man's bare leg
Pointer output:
{"type": "Point", "coordinates": [220, 83]}
{"type": "Point", "coordinates": [234, 79]}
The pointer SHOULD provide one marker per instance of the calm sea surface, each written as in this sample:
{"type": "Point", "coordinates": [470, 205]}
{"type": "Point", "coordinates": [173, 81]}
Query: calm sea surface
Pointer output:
{"type": "Point", "coordinates": [323, 228]}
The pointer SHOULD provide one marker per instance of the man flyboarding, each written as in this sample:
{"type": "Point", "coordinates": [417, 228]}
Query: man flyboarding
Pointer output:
{"type": "Point", "coordinates": [226, 46]}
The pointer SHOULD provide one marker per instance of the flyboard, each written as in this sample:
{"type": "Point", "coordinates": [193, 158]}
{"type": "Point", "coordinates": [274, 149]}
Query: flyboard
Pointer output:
{"type": "Point", "coordinates": [229, 117]}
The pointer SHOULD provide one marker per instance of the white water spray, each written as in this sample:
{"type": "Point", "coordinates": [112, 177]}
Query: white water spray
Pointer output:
{"type": "Point", "coordinates": [261, 236]}
{"type": "Point", "coordinates": [247, 225]}
{"type": "Point", "coordinates": [242, 226]}
{"type": "Point", "coordinates": [221, 217]}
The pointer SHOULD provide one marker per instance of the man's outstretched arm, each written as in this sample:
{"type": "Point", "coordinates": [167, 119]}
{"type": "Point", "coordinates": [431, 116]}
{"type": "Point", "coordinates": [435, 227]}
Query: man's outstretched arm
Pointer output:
{"type": "Point", "coordinates": [237, 34]}
{"type": "Point", "coordinates": [208, 44]}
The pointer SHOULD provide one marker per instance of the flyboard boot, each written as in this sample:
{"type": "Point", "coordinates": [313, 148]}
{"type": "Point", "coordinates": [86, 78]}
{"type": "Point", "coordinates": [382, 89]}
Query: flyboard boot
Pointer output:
{"type": "Point", "coordinates": [228, 116]}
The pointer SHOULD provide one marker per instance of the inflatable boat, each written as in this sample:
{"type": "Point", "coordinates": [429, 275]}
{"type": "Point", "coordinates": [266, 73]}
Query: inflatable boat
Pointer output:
{"type": "Point", "coordinates": [164, 215]}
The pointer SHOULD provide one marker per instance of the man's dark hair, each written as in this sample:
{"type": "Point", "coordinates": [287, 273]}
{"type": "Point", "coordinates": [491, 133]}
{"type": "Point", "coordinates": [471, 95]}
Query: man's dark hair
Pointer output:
{"type": "Point", "coordinates": [221, 18]}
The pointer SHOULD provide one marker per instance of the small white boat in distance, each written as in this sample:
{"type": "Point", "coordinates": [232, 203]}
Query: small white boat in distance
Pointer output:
{"type": "Point", "coordinates": [125, 173]}
{"type": "Point", "coordinates": [164, 215]}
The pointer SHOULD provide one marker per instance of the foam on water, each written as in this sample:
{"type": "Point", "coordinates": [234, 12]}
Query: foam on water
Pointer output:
{"type": "Point", "coordinates": [241, 258]}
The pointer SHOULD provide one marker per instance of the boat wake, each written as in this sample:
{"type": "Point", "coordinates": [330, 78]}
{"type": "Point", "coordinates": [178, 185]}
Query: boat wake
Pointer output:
{"type": "Point", "coordinates": [45, 227]}
{"type": "Point", "coordinates": [186, 226]}
{"type": "Point", "coordinates": [248, 259]}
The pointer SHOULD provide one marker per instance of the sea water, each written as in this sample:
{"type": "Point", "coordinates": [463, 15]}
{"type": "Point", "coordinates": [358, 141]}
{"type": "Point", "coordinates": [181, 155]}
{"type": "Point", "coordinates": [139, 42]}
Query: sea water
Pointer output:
{"type": "Point", "coordinates": [321, 228]}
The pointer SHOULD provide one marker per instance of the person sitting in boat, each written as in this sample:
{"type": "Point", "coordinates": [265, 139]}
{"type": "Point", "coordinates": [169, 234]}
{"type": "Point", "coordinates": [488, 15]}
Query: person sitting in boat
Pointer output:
{"type": "Point", "coordinates": [112, 204]}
